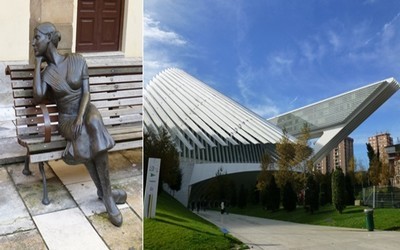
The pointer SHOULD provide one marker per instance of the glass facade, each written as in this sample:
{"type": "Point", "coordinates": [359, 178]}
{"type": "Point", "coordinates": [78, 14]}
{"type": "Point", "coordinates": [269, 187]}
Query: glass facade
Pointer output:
{"type": "Point", "coordinates": [324, 114]}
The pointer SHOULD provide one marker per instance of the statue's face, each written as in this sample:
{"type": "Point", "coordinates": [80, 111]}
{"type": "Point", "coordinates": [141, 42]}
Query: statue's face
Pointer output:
{"type": "Point", "coordinates": [39, 43]}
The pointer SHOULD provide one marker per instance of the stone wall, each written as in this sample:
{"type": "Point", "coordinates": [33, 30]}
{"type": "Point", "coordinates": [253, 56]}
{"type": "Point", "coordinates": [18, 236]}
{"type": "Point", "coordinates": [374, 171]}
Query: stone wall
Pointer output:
{"type": "Point", "coordinates": [58, 12]}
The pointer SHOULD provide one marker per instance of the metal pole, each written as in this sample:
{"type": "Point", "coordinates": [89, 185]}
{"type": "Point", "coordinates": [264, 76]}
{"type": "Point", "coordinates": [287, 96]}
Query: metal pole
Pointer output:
{"type": "Point", "coordinates": [373, 197]}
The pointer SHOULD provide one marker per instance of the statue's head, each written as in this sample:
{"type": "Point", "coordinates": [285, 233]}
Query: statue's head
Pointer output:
{"type": "Point", "coordinates": [45, 34]}
{"type": "Point", "coordinates": [48, 29]}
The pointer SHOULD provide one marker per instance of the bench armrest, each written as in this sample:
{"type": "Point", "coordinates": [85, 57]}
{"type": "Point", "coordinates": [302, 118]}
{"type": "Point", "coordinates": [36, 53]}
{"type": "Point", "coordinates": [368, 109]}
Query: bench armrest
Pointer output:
{"type": "Point", "coordinates": [47, 123]}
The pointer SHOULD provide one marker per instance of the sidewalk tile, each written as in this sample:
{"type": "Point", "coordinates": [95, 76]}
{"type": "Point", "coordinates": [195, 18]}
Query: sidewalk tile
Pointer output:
{"type": "Point", "coordinates": [23, 240]}
{"type": "Point", "coordinates": [68, 229]}
{"type": "Point", "coordinates": [70, 174]}
{"type": "Point", "coordinates": [85, 194]}
{"type": "Point", "coordinates": [133, 188]}
{"type": "Point", "coordinates": [128, 236]}
{"type": "Point", "coordinates": [31, 190]}
{"type": "Point", "coordinates": [120, 167]}
{"type": "Point", "coordinates": [13, 215]}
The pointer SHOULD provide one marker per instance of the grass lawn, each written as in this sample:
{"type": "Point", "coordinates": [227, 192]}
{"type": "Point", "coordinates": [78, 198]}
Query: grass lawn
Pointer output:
{"type": "Point", "coordinates": [175, 227]}
{"type": "Point", "coordinates": [352, 216]}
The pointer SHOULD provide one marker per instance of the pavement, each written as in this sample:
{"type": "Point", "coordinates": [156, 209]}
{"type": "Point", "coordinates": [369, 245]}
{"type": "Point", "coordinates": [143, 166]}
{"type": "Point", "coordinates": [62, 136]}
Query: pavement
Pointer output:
{"type": "Point", "coordinates": [260, 233]}
{"type": "Point", "coordinates": [75, 217]}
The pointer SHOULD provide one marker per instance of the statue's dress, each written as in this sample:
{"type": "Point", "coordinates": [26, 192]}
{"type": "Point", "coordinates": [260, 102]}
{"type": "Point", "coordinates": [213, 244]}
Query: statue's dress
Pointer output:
{"type": "Point", "coordinates": [67, 92]}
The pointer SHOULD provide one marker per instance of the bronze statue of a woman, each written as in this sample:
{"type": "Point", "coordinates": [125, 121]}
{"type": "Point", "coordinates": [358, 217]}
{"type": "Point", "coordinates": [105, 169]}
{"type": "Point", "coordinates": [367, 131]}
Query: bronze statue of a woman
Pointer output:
{"type": "Point", "coordinates": [66, 79]}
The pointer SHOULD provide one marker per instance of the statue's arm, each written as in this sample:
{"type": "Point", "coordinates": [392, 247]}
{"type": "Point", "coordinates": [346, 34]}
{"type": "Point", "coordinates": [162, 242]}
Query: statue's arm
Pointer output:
{"type": "Point", "coordinates": [83, 105]}
{"type": "Point", "coordinates": [39, 87]}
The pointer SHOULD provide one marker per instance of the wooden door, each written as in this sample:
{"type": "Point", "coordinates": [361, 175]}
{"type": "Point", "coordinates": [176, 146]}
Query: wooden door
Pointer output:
{"type": "Point", "coordinates": [98, 25]}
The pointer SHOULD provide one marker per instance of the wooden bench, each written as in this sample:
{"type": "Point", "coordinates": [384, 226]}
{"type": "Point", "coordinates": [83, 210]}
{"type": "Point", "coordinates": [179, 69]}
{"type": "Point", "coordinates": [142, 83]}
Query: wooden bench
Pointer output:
{"type": "Point", "coordinates": [115, 90]}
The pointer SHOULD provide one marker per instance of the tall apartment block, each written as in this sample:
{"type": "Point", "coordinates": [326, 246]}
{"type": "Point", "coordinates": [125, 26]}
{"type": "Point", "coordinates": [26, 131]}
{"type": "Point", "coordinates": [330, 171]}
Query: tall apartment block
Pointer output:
{"type": "Point", "coordinates": [379, 142]}
{"type": "Point", "coordinates": [338, 157]}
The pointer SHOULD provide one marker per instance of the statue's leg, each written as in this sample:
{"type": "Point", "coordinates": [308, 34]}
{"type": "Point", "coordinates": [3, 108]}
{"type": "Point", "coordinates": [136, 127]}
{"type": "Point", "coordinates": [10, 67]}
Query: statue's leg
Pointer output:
{"type": "Point", "coordinates": [119, 195]}
{"type": "Point", "coordinates": [91, 168]}
{"type": "Point", "coordinates": [101, 164]}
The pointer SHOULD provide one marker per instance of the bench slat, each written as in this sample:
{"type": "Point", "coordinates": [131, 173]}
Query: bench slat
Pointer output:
{"type": "Point", "coordinates": [115, 86]}
{"type": "Point", "coordinates": [114, 131]}
{"type": "Point", "coordinates": [117, 103]}
{"type": "Point", "coordinates": [28, 93]}
{"type": "Point", "coordinates": [55, 155]}
{"type": "Point", "coordinates": [33, 111]}
{"type": "Point", "coordinates": [61, 144]}
{"type": "Point", "coordinates": [117, 70]}
{"type": "Point", "coordinates": [116, 78]}
{"type": "Point", "coordinates": [34, 120]}
{"type": "Point", "coordinates": [25, 72]}
{"type": "Point", "coordinates": [116, 95]}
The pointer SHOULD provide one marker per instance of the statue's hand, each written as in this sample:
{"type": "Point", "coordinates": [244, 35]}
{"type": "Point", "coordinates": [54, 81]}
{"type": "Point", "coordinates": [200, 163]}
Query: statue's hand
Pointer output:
{"type": "Point", "coordinates": [39, 60]}
{"type": "Point", "coordinates": [78, 127]}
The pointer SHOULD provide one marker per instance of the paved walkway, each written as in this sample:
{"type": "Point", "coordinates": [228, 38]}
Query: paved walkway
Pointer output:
{"type": "Point", "coordinates": [260, 233]}
{"type": "Point", "coordinates": [75, 218]}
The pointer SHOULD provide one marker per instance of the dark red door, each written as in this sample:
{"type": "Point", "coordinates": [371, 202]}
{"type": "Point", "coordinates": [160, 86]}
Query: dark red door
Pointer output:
{"type": "Point", "coordinates": [98, 25]}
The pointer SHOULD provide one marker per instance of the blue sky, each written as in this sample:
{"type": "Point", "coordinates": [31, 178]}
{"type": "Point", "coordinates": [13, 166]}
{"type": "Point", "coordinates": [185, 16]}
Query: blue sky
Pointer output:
{"type": "Point", "coordinates": [273, 56]}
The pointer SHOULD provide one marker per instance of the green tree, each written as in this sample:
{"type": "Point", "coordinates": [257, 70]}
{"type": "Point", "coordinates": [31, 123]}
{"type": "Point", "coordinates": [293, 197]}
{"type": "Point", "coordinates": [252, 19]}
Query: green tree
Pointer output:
{"type": "Point", "coordinates": [375, 166]}
{"type": "Point", "coordinates": [272, 195]}
{"type": "Point", "coordinates": [286, 152]}
{"type": "Point", "coordinates": [325, 195]}
{"type": "Point", "coordinates": [294, 157]}
{"type": "Point", "coordinates": [338, 190]}
{"type": "Point", "coordinates": [385, 174]}
{"type": "Point", "coordinates": [265, 173]}
{"type": "Point", "coordinates": [311, 194]}
{"type": "Point", "coordinates": [349, 189]}
{"type": "Point", "coordinates": [289, 199]}
{"type": "Point", "coordinates": [160, 145]}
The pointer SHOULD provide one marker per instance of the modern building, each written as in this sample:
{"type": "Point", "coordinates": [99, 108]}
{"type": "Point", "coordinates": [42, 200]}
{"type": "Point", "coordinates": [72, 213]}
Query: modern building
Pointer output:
{"type": "Point", "coordinates": [339, 157]}
{"type": "Point", "coordinates": [379, 142]}
{"type": "Point", "coordinates": [333, 119]}
{"type": "Point", "coordinates": [393, 153]}
{"type": "Point", "coordinates": [213, 132]}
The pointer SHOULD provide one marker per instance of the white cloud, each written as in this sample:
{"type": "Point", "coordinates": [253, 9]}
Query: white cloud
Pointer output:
{"type": "Point", "coordinates": [334, 40]}
{"type": "Point", "coordinates": [154, 33]}
{"type": "Point", "coordinates": [265, 110]}
{"type": "Point", "coordinates": [161, 45]}
{"type": "Point", "coordinates": [313, 49]}
{"type": "Point", "coordinates": [280, 64]}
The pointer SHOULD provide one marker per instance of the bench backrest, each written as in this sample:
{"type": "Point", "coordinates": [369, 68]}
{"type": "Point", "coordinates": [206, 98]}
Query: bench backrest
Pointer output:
{"type": "Point", "coordinates": [115, 90]}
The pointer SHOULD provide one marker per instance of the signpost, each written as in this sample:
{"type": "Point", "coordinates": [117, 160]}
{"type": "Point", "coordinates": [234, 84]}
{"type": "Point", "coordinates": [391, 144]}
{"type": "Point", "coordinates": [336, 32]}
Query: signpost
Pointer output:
{"type": "Point", "coordinates": [150, 199]}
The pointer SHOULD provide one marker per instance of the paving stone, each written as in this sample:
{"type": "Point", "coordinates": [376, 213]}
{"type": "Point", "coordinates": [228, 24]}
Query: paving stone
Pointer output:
{"type": "Point", "coordinates": [120, 167]}
{"type": "Point", "coordinates": [13, 152]}
{"type": "Point", "coordinates": [31, 190]}
{"type": "Point", "coordinates": [133, 155]}
{"type": "Point", "coordinates": [128, 236]}
{"type": "Point", "coordinates": [23, 240]}
{"type": "Point", "coordinates": [13, 215]}
{"type": "Point", "coordinates": [15, 171]}
{"type": "Point", "coordinates": [68, 229]}
{"type": "Point", "coordinates": [134, 190]}
{"type": "Point", "coordinates": [70, 174]}
{"type": "Point", "coordinates": [85, 194]}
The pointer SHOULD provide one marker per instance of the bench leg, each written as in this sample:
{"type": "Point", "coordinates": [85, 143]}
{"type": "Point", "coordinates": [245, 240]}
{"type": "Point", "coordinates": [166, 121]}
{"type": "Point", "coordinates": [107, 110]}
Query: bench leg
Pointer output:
{"type": "Point", "coordinates": [45, 200]}
{"type": "Point", "coordinates": [26, 170]}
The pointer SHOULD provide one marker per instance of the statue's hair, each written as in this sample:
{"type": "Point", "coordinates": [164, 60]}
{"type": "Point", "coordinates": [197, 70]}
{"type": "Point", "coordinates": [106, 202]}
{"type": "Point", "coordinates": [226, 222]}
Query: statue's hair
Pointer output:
{"type": "Point", "coordinates": [49, 29]}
